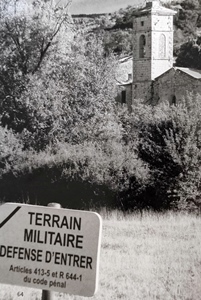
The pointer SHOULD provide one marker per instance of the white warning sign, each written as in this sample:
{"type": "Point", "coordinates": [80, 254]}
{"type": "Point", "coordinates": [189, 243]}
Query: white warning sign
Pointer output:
{"type": "Point", "coordinates": [50, 248]}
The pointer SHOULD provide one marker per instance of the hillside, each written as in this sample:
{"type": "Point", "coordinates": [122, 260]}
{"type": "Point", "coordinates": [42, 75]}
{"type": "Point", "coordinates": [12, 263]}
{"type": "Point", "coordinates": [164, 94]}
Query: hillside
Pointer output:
{"type": "Point", "coordinates": [116, 28]}
{"type": "Point", "coordinates": [63, 138]}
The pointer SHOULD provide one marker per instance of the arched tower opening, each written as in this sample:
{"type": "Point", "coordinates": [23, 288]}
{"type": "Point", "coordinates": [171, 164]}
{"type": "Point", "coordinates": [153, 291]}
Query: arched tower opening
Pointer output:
{"type": "Point", "coordinates": [142, 46]}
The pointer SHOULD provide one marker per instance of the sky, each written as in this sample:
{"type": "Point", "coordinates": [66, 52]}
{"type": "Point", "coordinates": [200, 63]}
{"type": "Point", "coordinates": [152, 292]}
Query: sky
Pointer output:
{"type": "Point", "coordinates": [100, 6]}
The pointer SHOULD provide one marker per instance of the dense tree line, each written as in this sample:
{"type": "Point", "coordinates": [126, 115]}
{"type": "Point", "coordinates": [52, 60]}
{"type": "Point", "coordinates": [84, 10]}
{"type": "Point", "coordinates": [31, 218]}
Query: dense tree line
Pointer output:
{"type": "Point", "coordinates": [63, 135]}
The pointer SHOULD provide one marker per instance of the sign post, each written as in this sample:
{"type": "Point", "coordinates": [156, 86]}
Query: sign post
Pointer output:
{"type": "Point", "coordinates": [49, 248]}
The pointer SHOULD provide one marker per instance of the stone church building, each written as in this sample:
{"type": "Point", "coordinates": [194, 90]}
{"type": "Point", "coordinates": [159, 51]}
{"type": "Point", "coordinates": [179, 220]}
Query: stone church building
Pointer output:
{"type": "Point", "coordinates": [154, 78]}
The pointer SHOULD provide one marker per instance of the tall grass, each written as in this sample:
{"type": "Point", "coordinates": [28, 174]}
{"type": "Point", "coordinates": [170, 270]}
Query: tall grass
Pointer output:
{"type": "Point", "coordinates": [143, 257]}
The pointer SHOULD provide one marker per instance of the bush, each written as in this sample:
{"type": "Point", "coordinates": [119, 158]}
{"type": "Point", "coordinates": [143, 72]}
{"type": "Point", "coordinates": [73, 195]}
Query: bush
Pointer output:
{"type": "Point", "coordinates": [189, 54]}
{"type": "Point", "coordinates": [10, 151]}
{"type": "Point", "coordinates": [169, 142]}
{"type": "Point", "coordinates": [105, 168]}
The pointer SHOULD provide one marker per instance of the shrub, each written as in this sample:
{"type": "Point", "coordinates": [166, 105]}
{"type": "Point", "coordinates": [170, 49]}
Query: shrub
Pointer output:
{"type": "Point", "coordinates": [103, 167]}
{"type": "Point", "coordinates": [169, 141]}
{"type": "Point", "coordinates": [10, 151]}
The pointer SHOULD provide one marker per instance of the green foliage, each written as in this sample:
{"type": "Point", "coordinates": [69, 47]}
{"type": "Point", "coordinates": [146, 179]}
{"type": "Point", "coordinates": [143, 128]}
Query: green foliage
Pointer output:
{"type": "Point", "coordinates": [65, 116]}
{"type": "Point", "coordinates": [123, 18]}
{"type": "Point", "coordinates": [30, 33]}
{"type": "Point", "coordinates": [119, 41]}
{"type": "Point", "coordinates": [11, 151]}
{"type": "Point", "coordinates": [60, 123]}
{"type": "Point", "coordinates": [102, 170]}
{"type": "Point", "coordinates": [184, 143]}
{"type": "Point", "coordinates": [72, 101]}
{"type": "Point", "coordinates": [189, 54]}
{"type": "Point", "coordinates": [116, 29]}
{"type": "Point", "coordinates": [187, 21]}
{"type": "Point", "coordinates": [187, 15]}
{"type": "Point", "coordinates": [169, 142]}
{"type": "Point", "coordinates": [118, 38]}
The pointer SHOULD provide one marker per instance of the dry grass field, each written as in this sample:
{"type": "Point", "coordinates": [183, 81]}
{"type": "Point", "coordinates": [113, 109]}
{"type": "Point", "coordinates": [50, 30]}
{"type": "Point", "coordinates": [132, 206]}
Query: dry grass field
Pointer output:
{"type": "Point", "coordinates": [142, 258]}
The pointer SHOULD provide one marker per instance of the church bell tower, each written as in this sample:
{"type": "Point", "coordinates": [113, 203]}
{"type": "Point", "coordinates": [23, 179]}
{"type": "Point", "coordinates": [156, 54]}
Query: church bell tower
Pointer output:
{"type": "Point", "coordinates": [152, 47]}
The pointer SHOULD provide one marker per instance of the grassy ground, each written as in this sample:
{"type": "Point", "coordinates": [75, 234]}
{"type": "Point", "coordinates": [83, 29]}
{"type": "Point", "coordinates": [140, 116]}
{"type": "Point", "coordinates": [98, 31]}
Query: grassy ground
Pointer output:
{"type": "Point", "coordinates": [142, 258]}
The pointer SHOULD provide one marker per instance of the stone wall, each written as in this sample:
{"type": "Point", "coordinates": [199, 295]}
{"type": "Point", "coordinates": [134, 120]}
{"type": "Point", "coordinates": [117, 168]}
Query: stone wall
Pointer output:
{"type": "Point", "coordinates": [142, 90]}
{"type": "Point", "coordinates": [173, 86]}
{"type": "Point", "coordinates": [142, 70]}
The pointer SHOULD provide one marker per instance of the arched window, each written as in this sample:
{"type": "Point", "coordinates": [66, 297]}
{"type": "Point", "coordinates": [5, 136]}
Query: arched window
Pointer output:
{"type": "Point", "coordinates": [142, 46]}
{"type": "Point", "coordinates": [162, 46]}
{"type": "Point", "coordinates": [123, 96]}
{"type": "Point", "coordinates": [174, 100]}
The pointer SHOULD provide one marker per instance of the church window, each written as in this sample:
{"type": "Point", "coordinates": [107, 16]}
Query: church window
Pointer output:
{"type": "Point", "coordinates": [142, 46]}
{"type": "Point", "coordinates": [123, 96]}
{"type": "Point", "coordinates": [162, 46]}
{"type": "Point", "coordinates": [174, 100]}
{"type": "Point", "coordinates": [142, 23]}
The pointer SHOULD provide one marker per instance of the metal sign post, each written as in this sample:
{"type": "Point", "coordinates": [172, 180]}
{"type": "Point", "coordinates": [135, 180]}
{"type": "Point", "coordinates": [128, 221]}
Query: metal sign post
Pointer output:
{"type": "Point", "coordinates": [47, 295]}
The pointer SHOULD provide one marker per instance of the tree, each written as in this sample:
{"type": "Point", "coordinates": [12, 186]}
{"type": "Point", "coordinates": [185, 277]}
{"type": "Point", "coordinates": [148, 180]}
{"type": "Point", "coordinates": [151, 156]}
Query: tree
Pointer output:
{"type": "Point", "coordinates": [73, 100]}
{"type": "Point", "coordinates": [169, 142]}
{"type": "Point", "coordinates": [123, 18]}
{"type": "Point", "coordinates": [119, 41]}
{"type": "Point", "coordinates": [58, 88]}
{"type": "Point", "coordinates": [184, 144]}
{"type": "Point", "coordinates": [30, 35]}
{"type": "Point", "coordinates": [189, 54]}
{"type": "Point", "coordinates": [66, 119]}
{"type": "Point", "coordinates": [187, 15]}
{"type": "Point", "coordinates": [11, 151]}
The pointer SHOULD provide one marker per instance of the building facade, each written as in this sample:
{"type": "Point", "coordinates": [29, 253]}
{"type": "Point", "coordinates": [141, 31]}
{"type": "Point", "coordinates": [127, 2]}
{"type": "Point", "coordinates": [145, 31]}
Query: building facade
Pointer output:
{"type": "Point", "coordinates": [154, 77]}
{"type": "Point", "coordinates": [152, 47]}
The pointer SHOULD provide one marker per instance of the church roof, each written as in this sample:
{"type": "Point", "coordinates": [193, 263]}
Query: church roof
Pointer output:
{"type": "Point", "coordinates": [154, 8]}
{"type": "Point", "coordinates": [191, 72]}
{"type": "Point", "coordinates": [194, 73]}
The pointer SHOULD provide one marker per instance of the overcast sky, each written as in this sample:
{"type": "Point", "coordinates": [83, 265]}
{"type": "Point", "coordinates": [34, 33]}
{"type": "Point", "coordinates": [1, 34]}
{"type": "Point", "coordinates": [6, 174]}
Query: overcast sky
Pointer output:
{"type": "Point", "coordinates": [99, 6]}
